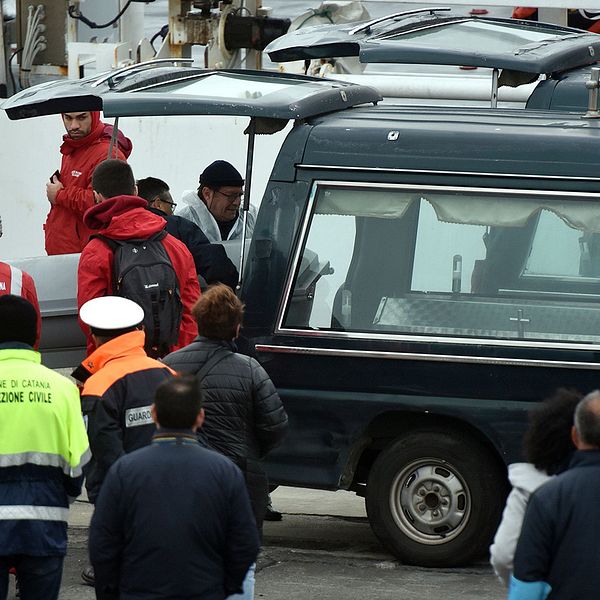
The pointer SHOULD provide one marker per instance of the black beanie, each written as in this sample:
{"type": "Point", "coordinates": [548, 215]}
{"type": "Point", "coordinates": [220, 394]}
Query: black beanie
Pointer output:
{"type": "Point", "coordinates": [219, 174]}
{"type": "Point", "coordinates": [18, 320]}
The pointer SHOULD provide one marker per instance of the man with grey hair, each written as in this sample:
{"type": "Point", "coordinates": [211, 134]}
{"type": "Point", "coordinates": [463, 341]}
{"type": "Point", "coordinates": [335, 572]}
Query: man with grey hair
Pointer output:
{"type": "Point", "coordinates": [558, 553]}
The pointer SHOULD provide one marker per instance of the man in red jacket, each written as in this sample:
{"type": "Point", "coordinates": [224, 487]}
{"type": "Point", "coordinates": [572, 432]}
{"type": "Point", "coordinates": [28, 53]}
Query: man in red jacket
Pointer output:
{"type": "Point", "coordinates": [86, 143]}
{"type": "Point", "coordinates": [122, 215]}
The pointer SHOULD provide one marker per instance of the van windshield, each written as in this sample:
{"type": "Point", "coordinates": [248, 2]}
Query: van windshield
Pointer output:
{"type": "Point", "coordinates": [455, 262]}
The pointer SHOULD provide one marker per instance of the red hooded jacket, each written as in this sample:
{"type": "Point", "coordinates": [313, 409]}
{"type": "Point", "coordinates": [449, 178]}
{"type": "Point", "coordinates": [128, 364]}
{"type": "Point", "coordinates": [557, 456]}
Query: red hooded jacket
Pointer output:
{"type": "Point", "coordinates": [64, 228]}
{"type": "Point", "coordinates": [128, 217]}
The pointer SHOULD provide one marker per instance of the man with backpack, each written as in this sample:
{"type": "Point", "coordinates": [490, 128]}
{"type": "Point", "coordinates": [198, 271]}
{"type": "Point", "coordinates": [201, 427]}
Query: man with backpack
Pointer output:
{"type": "Point", "coordinates": [132, 255]}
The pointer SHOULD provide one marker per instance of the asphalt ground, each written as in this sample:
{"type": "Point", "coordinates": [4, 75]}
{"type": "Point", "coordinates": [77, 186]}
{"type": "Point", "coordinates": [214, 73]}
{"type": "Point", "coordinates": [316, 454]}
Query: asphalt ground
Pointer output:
{"type": "Point", "coordinates": [322, 549]}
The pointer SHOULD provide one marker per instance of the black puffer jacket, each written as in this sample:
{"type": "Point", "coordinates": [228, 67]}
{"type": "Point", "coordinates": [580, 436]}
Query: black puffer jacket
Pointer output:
{"type": "Point", "coordinates": [244, 414]}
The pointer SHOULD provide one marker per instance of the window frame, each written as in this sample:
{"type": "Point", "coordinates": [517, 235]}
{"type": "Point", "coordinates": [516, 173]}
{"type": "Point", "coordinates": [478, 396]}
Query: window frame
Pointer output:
{"type": "Point", "coordinates": [318, 184]}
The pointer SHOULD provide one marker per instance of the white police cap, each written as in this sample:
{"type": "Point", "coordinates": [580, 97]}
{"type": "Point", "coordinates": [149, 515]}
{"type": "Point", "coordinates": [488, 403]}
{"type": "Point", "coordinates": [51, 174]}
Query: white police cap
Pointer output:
{"type": "Point", "coordinates": [111, 312]}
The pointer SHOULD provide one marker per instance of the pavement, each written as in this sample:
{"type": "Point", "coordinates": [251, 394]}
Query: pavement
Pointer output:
{"type": "Point", "coordinates": [322, 549]}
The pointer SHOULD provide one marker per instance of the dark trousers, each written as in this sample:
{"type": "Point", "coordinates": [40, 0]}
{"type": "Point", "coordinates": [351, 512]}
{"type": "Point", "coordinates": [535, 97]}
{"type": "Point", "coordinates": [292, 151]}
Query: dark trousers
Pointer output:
{"type": "Point", "coordinates": [39, 576]}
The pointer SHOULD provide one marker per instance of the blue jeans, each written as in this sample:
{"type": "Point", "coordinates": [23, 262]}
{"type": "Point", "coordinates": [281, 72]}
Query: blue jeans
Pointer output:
{"type": "Point", "coordinates": [39, 576]}
{"type": "Point", "coordinates": [248, 586]}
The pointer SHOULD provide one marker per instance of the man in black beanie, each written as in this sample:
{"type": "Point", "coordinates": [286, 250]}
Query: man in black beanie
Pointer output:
{"type": "Point", "coordinates": [215, 205]}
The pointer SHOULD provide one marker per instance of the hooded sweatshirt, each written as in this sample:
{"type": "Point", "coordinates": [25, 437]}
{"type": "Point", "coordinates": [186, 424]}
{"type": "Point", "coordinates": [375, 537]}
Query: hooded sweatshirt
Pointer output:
{"type": "Point", "coordinates": [525, 479]}
{"type": "Point", "coordinates": [123, 218]}
{"type": "Point", "coordinates": [64, 228]}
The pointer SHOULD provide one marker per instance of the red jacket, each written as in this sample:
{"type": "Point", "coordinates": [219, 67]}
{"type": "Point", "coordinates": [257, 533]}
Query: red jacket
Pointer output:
{"type": "Point", "coordinates": [64, 228]}
{"type": "Point", "coordinates": [122, 218]}
{"type": "Point", "coordinates": [17, 282]}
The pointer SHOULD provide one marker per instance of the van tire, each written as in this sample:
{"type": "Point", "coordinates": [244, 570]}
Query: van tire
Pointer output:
{"type": "Point", "coordinates": [434, 499]}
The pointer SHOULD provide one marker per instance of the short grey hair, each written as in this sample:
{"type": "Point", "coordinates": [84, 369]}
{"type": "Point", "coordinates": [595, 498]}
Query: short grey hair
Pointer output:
{"type": "Point", "coordinates": [587, 419]}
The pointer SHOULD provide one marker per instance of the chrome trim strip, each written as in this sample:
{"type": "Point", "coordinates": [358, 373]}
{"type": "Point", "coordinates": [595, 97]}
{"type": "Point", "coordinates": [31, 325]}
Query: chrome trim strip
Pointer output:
{"type": "Point", "coordinates": [137, 67]}
{"type": "Point", "coordinates": [416, 338]}
{"type": "Point", "coordinates": [493, 191]}
{"type": "Point", "coordinates": [397, 34]}
{"type": "Point", "coordinates": [436, 172]}
{"type": "Point", "coordinates": [510, 362]}
{"type": "Point", "coordinates": [395, 17]}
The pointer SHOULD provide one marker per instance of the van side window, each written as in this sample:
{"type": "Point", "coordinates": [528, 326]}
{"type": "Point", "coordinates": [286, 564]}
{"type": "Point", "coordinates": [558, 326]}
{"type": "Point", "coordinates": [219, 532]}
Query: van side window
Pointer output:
{"type": "Point", "coordinates": [455, 262]}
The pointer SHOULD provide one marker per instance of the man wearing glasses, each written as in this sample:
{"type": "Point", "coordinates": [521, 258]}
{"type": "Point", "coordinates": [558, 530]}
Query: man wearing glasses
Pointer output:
{"type": "Point", "coordinates": [211, 260]}
{"type": "Point", "coordinates": [215, 205]}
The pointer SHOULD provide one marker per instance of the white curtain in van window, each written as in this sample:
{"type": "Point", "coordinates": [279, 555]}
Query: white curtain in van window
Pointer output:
{"type": "Point", "coordinates": [363, 202]}
{"type": "Point", "coordinates": [502, 211]}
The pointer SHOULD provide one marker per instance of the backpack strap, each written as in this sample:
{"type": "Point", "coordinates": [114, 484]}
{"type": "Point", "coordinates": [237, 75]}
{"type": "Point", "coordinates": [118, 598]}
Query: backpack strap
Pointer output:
{"type": "Point", "coordinates": [112, 244]}
{"type": "Point", "coordinates": [216, 357]}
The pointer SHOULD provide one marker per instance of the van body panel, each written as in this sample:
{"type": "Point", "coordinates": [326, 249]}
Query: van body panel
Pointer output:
{"type": "Point", "coordinates": [564, 91]}
{"type": "Point", "coordinates": [501, 141]}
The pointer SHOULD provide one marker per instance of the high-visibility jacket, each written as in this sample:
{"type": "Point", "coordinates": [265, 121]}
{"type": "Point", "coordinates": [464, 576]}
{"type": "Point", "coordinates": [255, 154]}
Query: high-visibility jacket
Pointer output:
{"type": "Point", "coordinates": [118, 390]}
{"type": "Point", "coordinates": [19, 283]}
{"type": "Point", "coordinates": [43, 448]}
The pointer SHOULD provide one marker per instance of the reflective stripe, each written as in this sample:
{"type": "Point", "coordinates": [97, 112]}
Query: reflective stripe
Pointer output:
{"type": "Point", "coordinates": [16, 281]}
{"type": "Point", "coordinates": [38, 513]}
{"type": "Point", "coordinates": [43, 459]}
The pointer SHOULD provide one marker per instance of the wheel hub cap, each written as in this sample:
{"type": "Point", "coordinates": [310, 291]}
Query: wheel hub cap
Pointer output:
{"type": "Point", "coordinates": [430, 501]}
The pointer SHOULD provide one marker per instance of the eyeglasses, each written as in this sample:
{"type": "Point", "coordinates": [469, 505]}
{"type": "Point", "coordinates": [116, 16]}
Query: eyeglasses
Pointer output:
{"type": "Point", "coordinates": [173, 204]}
{"type": "Point", "coordinates": [233, 196]}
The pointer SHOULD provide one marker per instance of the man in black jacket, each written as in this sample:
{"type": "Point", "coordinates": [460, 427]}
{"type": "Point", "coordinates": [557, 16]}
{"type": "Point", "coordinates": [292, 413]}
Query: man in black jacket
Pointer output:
{"type": "Point", "coordinates": [558, 552]}
{"type": "Point", "coordinates": [173, 519]}
{"type": "Point", "coordinates": [245, 417]}
{"type": "Point", "coordinates": [212, 262]}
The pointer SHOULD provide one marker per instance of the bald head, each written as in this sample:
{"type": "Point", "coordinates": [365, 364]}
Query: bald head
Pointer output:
{"type": "Point", "coordinates": [587, 422]}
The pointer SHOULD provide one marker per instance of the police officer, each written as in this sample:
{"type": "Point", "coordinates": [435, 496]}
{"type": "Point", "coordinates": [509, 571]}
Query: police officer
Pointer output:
{"type": "Point", "coordinates": [119, 380]}
{"type": "Point", "coordinates": [43, 448]}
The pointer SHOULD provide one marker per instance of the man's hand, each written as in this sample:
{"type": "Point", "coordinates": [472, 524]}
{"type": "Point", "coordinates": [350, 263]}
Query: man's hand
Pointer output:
{"type": "Point", "coordinates": [52, 189]}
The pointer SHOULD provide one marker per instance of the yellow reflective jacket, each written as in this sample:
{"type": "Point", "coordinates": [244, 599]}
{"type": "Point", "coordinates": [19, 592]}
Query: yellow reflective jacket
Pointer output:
{"type": "Point", "coordinates": [43, 448]}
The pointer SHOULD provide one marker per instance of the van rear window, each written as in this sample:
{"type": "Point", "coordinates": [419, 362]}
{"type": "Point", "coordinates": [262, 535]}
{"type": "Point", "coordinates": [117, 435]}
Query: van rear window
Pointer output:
{"type": "Point", "coordinates": [449, 262]}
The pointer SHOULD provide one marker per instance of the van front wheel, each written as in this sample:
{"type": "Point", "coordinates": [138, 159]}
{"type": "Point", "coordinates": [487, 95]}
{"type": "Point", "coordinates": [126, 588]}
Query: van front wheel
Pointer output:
{"type": "Point", "coordinates": [434, 499]}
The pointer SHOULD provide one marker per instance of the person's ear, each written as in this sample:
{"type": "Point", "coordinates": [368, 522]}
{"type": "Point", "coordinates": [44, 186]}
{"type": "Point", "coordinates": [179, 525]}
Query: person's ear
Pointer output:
{"type": "Point", "coordinates": [206, 195]}
{"type": "Point", "coordinates": [199, 420]}
{"type": "Point", "coordinates": [153, 413]}
{"type": "Point", "coordinates": [237, 331]}
{"type": "Point", "coordinates": [97, 197]}
{"type": "Point", "coordinates": [575, 437]}
{"type": "Point", "coordinates": [135, 190]}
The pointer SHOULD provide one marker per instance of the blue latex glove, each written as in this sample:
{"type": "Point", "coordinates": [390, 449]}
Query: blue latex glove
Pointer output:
{"type": "Point", "coordinates": [528, 590]}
